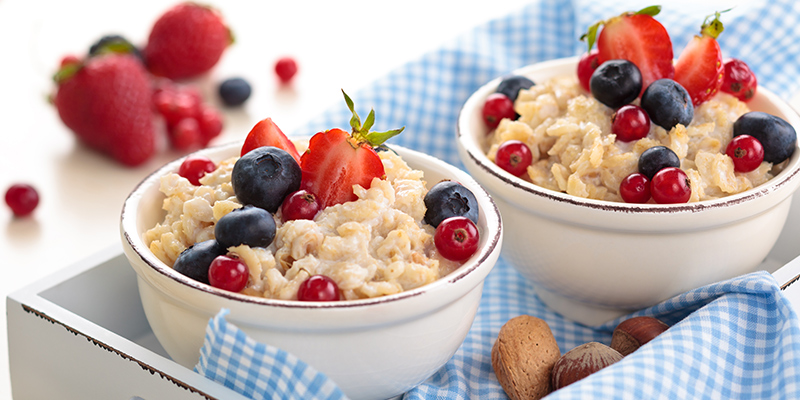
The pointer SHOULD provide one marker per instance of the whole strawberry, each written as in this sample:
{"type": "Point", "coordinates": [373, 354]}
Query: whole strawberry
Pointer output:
{"type": "Point", "coordinates": [186, 41]}
{"type": "Point", "coordinates": [106, 101]}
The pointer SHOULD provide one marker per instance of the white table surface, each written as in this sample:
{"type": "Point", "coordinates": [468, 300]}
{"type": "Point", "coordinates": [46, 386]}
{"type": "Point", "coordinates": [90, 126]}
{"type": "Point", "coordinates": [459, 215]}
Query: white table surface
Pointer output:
{"type": "Point", "coordinates": [82, 192]}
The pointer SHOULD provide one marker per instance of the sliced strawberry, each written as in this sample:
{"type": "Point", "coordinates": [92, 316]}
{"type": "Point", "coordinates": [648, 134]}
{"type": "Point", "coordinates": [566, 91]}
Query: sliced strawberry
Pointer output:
{"type": "Point", "coordinates": [337, 160]}
{"type": "Point", "coordinates": [699, 68]}
{"type": "Point", "coordinates": [266, 133]}
{"type": "Point", "coordinates": [638, 38]}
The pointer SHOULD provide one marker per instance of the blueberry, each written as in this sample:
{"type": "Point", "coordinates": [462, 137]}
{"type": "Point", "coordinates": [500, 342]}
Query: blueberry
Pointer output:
{"type": "Point", "coordinates": [116, 43]}
{"type": "Point", "coordinates": [668, 104]}
{"type": "Point", "coordinates": [248, 225]}
{"type": "Point", "coordinates": [265, 176]}
{"type": "Point", "coordinates": [234, 91]}
{"type": "Point", "coordinates": [194, 261]}
{"type": "Point", "coordinates": [776, 135]}
{"type": "Point", "coordinates": [449, 199]}
{"type": "Point", "coordinates": [657, 158]}
{"type": "Point", "coordinates": [510, 85]}
{"type": "Point", "coordinates": [616, 83]}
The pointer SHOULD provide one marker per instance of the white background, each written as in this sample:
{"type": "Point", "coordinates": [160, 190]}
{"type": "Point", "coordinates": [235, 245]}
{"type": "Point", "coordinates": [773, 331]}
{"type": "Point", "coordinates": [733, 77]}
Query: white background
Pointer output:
{"type": "Point", "coordinates": [338, 44]}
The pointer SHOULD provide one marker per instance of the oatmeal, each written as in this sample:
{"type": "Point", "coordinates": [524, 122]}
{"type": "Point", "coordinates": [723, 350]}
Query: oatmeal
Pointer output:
{"type": "Point", "coordinates": [574, 151]}
{"type": "Point", "coordinates": [373, 246]}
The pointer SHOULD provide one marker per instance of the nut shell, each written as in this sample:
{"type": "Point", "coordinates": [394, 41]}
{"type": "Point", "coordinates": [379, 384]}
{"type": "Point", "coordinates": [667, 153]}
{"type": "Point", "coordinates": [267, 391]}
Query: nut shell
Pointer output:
{"type": "Point", "coordinates": [523, 357]}
{"type": "Point", "coordinates": [633, 333]}
{"type": "Point", "coordinates": [581, 362]}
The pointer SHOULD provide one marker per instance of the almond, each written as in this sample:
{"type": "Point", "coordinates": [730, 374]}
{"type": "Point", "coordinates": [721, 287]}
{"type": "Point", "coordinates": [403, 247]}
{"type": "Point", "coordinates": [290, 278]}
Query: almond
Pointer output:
{"type": "Point", "coordinates": [523, 357]}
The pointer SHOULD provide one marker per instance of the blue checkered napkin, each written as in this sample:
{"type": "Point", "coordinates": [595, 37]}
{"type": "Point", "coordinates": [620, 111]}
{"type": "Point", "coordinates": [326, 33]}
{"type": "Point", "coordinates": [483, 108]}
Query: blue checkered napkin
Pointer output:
{"type": "Point", "coordinates": [740, 337]}
{"type": "Point", "coordinates": [257, 370]}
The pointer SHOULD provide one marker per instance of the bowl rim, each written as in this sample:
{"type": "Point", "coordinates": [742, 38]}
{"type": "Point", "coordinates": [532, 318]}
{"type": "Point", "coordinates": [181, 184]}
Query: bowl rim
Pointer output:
{"type": "Point", "coordinates": [468, 269]}
{"type": "Point", "coordinates": [473, 149]}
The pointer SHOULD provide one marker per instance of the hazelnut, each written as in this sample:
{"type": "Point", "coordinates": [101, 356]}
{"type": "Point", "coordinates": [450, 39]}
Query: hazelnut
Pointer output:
{"type": "Point", "coordinates": [523, 356]}
{"type": "Point", "coordinates": [581, 362]}
{"type": "Point", "coordinates": [633, 333]}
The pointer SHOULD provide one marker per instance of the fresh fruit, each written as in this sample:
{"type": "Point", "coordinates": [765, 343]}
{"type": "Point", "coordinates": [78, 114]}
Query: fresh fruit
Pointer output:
{"type": "Point", "coordinates": [286, 68]}
{"type": "Point", "coordinates": [670, 186]}
{"type": "Point", "coordinates": [267, 133]}
{"type": "Point", "coordinates": [210, 121]}
{"type": "Point", "coordinates": [318, 288]}
{"type": "Point", "coordinates": [635, 188]}
{"type": "Point", "coordinates": [176, 104]}
{"type": "Point", "coordinates": [616, 83]}
{"type": "Point", "coordinates": [106, 102]}
{"type": "Point", "coordinates": [116, 44]}
{"type": "Point", "coordinates": [638, 38]}
{"type": "Point", "coordinates": [738, 79]}
{"type": "Point", "coordinates": [195, 260]}
{"type": "Point", "coordinates": [635, 332]}
{"type": "Point", "coordinates": [185, 135]}
{"type": "Point", "coordinates": [186, 41]}
{"type": "Point", "coordinates": [195, 167]}
{"type": "Point", "coordinates": [776, 135]}
{"type": "Point", "coordinates": [449, 199]}
{"type": "Point", "coordinates": [247, 225]}
{"type": "Point", "coordinates": [581, 362]}
{"type": "Point", "coordinates": [336, 160]}
{"type": "Point", "coordinates": [22, 199]}
{"type": "Point", "coordinates": [511, 85]}
{"type": "Point", "coordinates": [264, 177]}
{"type": "Point", "coordinates": [523, 357]}
{"type": "Point", "coordinates": [699, 68]}
{"type": "Point", "coordinates": [657, 158]}
{"type": "Point", "coordinates": [497, 107]}
{"type": "Point", "coordinates": [299, 205]}
{"type": "Point", "coordinates": [668, 104]}
{"type": "Point", "coordinates": [456, 238]}
{"type": "Point", "coordinates": [514, 157]}
{"type": "Point", "coordinates": [630, 123]}
{"type": "Point", "coordinates": [746, 152]}
{"type": "Point", "coordinates": [586, 66]}
{"type": "Point", "coordinates": [228, 273]}
{"type": "Point", "coordinates": [234, 91]}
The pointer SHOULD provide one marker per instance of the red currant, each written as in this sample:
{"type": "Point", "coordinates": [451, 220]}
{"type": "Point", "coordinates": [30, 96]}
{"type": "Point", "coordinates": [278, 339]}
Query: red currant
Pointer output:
{"type": "Point", "coordinates": [738, 79]}
{"type": "Point", "coordinates": [630, 123]}
{"type": "Point", "coordinates": [635, 188]}
{"type": "Point", "coordinates": [186, 134]}
{"type": "Point", "coordinates": [299, 205]}
{"type": "Point", "coordinates": [318, 288]}
{"type": "Point", "coordinates": [497, 107]}
{"type": "Point", "coordinates": [228, 273]}
{"type": "Point", "coordinates": [22, 199]}
{"type": "Point", "coordinates": [746, 152]}
{"type": "Point", "coordinates": [586, 66]}
{"type": "Point", "coordinates": [195, 167]}
{"type": "Point", "coordinates": [456, 238]}
{"type": "Point", "coordinates": [285, 68]}
{"type": "Point", "coordinates": [210, 121]}
{"type": "Point", "coordinates": [670, 186]}
{"type": "Point", "coordinates": [514, 156]}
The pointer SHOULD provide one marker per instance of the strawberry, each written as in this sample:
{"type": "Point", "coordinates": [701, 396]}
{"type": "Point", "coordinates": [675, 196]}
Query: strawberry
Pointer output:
{"type": "Point", "coordinates": [337, 160]}
{"type": "Point", "coordinates": [266, 133]}
{"type": "Point", "coordinates": [186, 41]}
{"type": "Point", "coordinates": [638, 38]}
{"type": "Point", "coordinates": [699, 68]}
{"type": "Point", "coordinates": [106, 101]}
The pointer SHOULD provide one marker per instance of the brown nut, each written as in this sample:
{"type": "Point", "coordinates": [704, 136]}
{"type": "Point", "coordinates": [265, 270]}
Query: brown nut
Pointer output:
{"type": "Point", "coordinates": [523, 356]}
{"type": "Point", "coordinates": [633, 333]}
{"type": "Point", "coordinates": [581, 362]}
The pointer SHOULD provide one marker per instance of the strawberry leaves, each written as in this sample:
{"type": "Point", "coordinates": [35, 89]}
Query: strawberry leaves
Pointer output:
{"type": "Point", "coordinates": [361, 133]}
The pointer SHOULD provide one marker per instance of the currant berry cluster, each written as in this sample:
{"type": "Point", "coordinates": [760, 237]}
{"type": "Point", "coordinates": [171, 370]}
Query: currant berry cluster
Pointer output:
{"type": "Point", "coordinates": [190, 122]}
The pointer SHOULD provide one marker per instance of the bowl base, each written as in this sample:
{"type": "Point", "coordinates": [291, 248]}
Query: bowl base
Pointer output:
{"type": "Point", "coordinates": [583, 313]}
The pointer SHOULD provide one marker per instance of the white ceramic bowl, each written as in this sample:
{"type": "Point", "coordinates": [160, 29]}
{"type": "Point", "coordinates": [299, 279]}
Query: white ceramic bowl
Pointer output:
{"type": "Point", "coordinates": [593, 260]}
{"type": "Point", "coordinates": [373, 349]}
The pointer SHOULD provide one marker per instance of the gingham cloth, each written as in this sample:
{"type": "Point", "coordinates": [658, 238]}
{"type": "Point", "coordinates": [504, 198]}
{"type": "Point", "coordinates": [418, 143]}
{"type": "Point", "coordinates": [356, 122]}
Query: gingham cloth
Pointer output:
{"type": "Point", "coordinates": [733, 339]}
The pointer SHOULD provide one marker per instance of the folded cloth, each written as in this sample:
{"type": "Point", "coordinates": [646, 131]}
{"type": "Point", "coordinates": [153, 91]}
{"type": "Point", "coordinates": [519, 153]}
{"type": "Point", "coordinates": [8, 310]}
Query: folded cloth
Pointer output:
{"type": "Point", "coordinates": [732, 339]}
